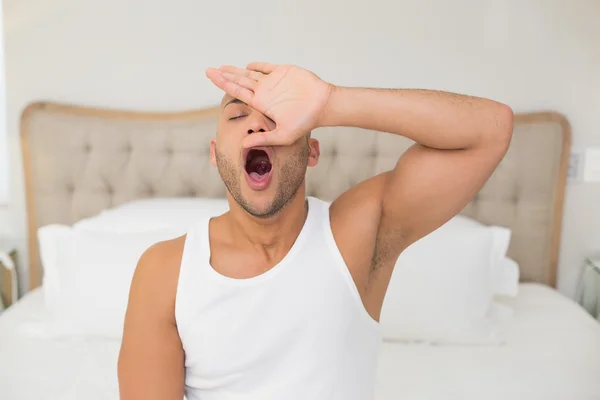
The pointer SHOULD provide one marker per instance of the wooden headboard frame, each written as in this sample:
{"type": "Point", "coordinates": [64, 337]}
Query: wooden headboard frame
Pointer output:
{"type": "Point", "coordinates": [80, 160]}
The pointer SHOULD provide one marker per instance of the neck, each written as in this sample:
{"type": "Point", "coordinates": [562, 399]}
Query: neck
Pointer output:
{"type": "Point", "coordinates": [274, 232]}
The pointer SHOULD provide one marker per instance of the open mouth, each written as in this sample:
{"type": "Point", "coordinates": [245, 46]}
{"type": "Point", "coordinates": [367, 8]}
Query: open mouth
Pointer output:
{"type": "Point", "coordinates": [258, 163]}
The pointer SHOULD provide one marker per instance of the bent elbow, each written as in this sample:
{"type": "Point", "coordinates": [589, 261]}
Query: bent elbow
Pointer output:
{"type": "Point", "coordinates": [506, 122]}
{"type": "Point", "coordinates": [501, 136]}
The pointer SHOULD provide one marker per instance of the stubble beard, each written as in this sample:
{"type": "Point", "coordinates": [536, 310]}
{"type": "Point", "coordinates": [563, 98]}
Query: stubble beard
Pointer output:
{"type": "Point", "coordinates": [292, 176]}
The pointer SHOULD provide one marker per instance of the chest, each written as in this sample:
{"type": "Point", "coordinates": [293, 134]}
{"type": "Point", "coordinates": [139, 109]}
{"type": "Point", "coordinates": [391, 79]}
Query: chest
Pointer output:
{"type": "Point", "coordinates": [303, 310]}
{"type": "Point", "coordinates": [242, 264]}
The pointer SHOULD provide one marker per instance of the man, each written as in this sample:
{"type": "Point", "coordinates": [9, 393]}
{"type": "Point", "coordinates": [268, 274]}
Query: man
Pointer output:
{"type": "Point", "coordinates": [280, 297]}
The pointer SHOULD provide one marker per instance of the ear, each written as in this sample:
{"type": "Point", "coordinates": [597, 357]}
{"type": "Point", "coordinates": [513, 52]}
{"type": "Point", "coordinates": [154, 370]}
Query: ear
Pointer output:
{"type": "Point", "coordinates": [313, 152]}
{"type": "Point", "coordinates": [213, 151]}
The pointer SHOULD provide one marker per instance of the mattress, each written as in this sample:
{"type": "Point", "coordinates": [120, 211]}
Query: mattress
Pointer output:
{"type": "Point", "coordinates": [551, 351]}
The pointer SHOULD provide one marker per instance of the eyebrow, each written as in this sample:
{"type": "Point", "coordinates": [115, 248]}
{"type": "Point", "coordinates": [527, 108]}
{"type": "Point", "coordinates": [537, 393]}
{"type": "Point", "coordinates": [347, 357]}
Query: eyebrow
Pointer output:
{"type": "Point", "coordinates": [234, 101]}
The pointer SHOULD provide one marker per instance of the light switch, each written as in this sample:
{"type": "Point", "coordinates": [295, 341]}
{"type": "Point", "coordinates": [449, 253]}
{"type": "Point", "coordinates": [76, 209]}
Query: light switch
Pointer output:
{"type": "Point", "coordinates": [591, 165]}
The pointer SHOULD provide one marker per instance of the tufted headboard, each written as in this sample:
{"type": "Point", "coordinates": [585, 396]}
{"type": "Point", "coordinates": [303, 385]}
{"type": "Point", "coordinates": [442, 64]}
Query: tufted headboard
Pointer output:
{"type": "Point", "coordinates": [79, 161]}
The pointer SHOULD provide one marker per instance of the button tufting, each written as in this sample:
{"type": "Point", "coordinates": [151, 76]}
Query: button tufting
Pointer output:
{"type": "Point", "coordinates": [516, 194]}
{"type": "Point", "coordinates": [87, 148]}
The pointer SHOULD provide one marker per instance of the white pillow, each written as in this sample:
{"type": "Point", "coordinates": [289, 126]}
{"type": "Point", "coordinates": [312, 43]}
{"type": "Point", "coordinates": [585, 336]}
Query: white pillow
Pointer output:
{"type": "Point", "coordinates": [503, 277]}
{"type": "Point", "coordinates": [49, 239]}
{"type": "Point", "coordinates": [174, 215]}
{"type": "Point", "coordinates": [152, 214]}
{"type": "Point", "coordinates": [506, 282]}
{"type": "Point", "coordinates": [442, 287]}
{"type": "Point", "coordinates": [95, 274]}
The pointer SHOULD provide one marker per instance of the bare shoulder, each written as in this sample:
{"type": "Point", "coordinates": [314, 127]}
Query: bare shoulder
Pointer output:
{"type": "Point", "coordinates": [355, 218]}
{"type": "Point", "coordinates": [151, 359]}
{"type": "Point", "coordinates": [157, 273]}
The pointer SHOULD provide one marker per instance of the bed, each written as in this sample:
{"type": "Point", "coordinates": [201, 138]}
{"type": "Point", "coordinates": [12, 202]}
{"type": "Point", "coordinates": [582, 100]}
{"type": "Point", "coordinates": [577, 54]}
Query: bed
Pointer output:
{"type": "Point", "coordinates": [79, 161]}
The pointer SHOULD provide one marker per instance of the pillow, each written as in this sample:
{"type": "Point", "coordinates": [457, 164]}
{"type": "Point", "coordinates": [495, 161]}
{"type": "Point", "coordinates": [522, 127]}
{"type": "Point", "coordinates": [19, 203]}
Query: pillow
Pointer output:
{"type": "Point", "coordinates": [506, 282]}
{"type": "Point", "coordinates": [502, 274]}
{"type": "Point", "coordinates": [177, 214]}
{"type": "Point", "coordinates": [49, 239]}
{"type": "Point", "coordinates": [174, 215]}
{"type": "Point", "coordinates": [442, 289]}
{"type": "Point", "coordinates": [95, 274]}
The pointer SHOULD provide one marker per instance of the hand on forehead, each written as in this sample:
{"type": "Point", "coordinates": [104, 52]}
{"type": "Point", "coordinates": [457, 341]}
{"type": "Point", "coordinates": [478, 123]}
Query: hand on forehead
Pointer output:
{"type": "Point", "coordinates": [292, 97]}
{"type": "Point", "coordinates": [228, 99]}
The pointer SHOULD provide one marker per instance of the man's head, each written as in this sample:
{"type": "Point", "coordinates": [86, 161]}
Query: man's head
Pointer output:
{"type": "Point", "coordinates": [261, 180]}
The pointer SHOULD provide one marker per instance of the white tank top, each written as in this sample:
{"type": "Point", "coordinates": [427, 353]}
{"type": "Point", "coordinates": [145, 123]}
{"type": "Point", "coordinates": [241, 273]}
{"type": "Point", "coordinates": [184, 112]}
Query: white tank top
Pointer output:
{"type": "Point", "coordinates": [296, 332]}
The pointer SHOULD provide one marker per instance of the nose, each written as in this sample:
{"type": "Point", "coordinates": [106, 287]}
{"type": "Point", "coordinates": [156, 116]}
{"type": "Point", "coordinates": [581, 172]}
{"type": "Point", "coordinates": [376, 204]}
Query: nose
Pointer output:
{"type": "Point", "coordinates": [257, 123]}
{"type": "Point", "coordinates": [250, 131]}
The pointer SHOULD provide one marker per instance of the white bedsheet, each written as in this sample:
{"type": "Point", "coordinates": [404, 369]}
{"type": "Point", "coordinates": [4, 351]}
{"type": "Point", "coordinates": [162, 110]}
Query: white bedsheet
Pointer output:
{"type": "Point", "coordinates": [552, 352]}
{"type": "Point", "coordinates": [34, 367]}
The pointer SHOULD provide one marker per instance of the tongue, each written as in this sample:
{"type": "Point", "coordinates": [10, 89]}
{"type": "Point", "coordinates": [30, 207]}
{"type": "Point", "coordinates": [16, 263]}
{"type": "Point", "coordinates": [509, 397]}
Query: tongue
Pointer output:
{"type": "Point", "coordinates": [256, 176]}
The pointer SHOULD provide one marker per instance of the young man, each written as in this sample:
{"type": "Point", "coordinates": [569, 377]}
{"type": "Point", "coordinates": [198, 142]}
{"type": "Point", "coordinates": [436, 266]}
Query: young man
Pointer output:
{"type": "Point", "coordinates": [279, 298]}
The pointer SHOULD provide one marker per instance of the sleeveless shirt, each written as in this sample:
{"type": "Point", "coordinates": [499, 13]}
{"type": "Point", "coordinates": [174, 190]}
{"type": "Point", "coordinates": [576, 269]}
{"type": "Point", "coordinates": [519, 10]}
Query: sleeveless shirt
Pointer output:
{"type": "Point", "coordinates": [296, 332]}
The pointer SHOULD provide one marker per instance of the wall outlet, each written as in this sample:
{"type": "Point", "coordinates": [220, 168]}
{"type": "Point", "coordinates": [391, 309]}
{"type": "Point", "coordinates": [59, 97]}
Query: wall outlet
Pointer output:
{"type": "Point", "coordinates": [591, 165]}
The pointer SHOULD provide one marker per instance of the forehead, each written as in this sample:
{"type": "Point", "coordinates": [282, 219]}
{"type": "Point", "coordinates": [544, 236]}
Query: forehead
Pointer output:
{"type": "Point", "coordinates": [228, 99]}
{"type": "Point", "coordinates": [225, 99]}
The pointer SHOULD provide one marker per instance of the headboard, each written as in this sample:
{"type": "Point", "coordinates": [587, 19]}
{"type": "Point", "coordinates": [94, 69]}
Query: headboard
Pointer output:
{"type": "Point", "coordinates": [79, 161]}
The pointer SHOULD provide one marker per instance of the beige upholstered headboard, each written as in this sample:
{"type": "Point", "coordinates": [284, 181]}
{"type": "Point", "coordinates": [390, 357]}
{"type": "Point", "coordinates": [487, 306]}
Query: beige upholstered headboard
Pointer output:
{"type": "Point", "coordinates": [79, 161]}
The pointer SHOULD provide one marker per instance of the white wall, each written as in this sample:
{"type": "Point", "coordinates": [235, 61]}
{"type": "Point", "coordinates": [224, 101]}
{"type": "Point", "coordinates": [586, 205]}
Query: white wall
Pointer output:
{"type": "Point", "coordinates": [151, 55]}
{"type": "Point", "coordinates": [4, 160]}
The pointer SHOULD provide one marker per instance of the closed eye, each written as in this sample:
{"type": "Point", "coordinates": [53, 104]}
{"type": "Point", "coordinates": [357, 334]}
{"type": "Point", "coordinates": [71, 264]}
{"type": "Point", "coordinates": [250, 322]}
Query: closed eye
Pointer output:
{"type": "Point", "coordinates": [238, 117]}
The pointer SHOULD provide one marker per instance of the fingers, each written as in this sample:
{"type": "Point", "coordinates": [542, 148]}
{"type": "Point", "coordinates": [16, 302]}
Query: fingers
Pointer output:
{"type": "Point", "coordinates": [263, 67]}
{"type": "Point", "coordinates": [271, 138]}
{"type": "Point", "coordinates": [240, 80]}
{"type": "Point", "coordinates": [255, 75]}
{"type": "Point", "coordinates": [233, 89]}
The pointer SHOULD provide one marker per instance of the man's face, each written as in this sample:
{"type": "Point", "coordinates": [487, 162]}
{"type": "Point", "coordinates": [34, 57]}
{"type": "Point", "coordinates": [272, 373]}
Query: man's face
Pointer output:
{"type": "Point", "coordinates": [261, 180]}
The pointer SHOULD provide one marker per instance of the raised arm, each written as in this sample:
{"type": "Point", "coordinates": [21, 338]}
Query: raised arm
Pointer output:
{"type": "Point", "coordinates": [460, 140]}
{"type": "Point", "coordinates": [151, 361]}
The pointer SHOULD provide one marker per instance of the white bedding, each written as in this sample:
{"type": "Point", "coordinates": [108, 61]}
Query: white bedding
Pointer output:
{"type": "Point", "coordinates": [34, 367]}
{"type": "Point", "coordinates": [552, 352]}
